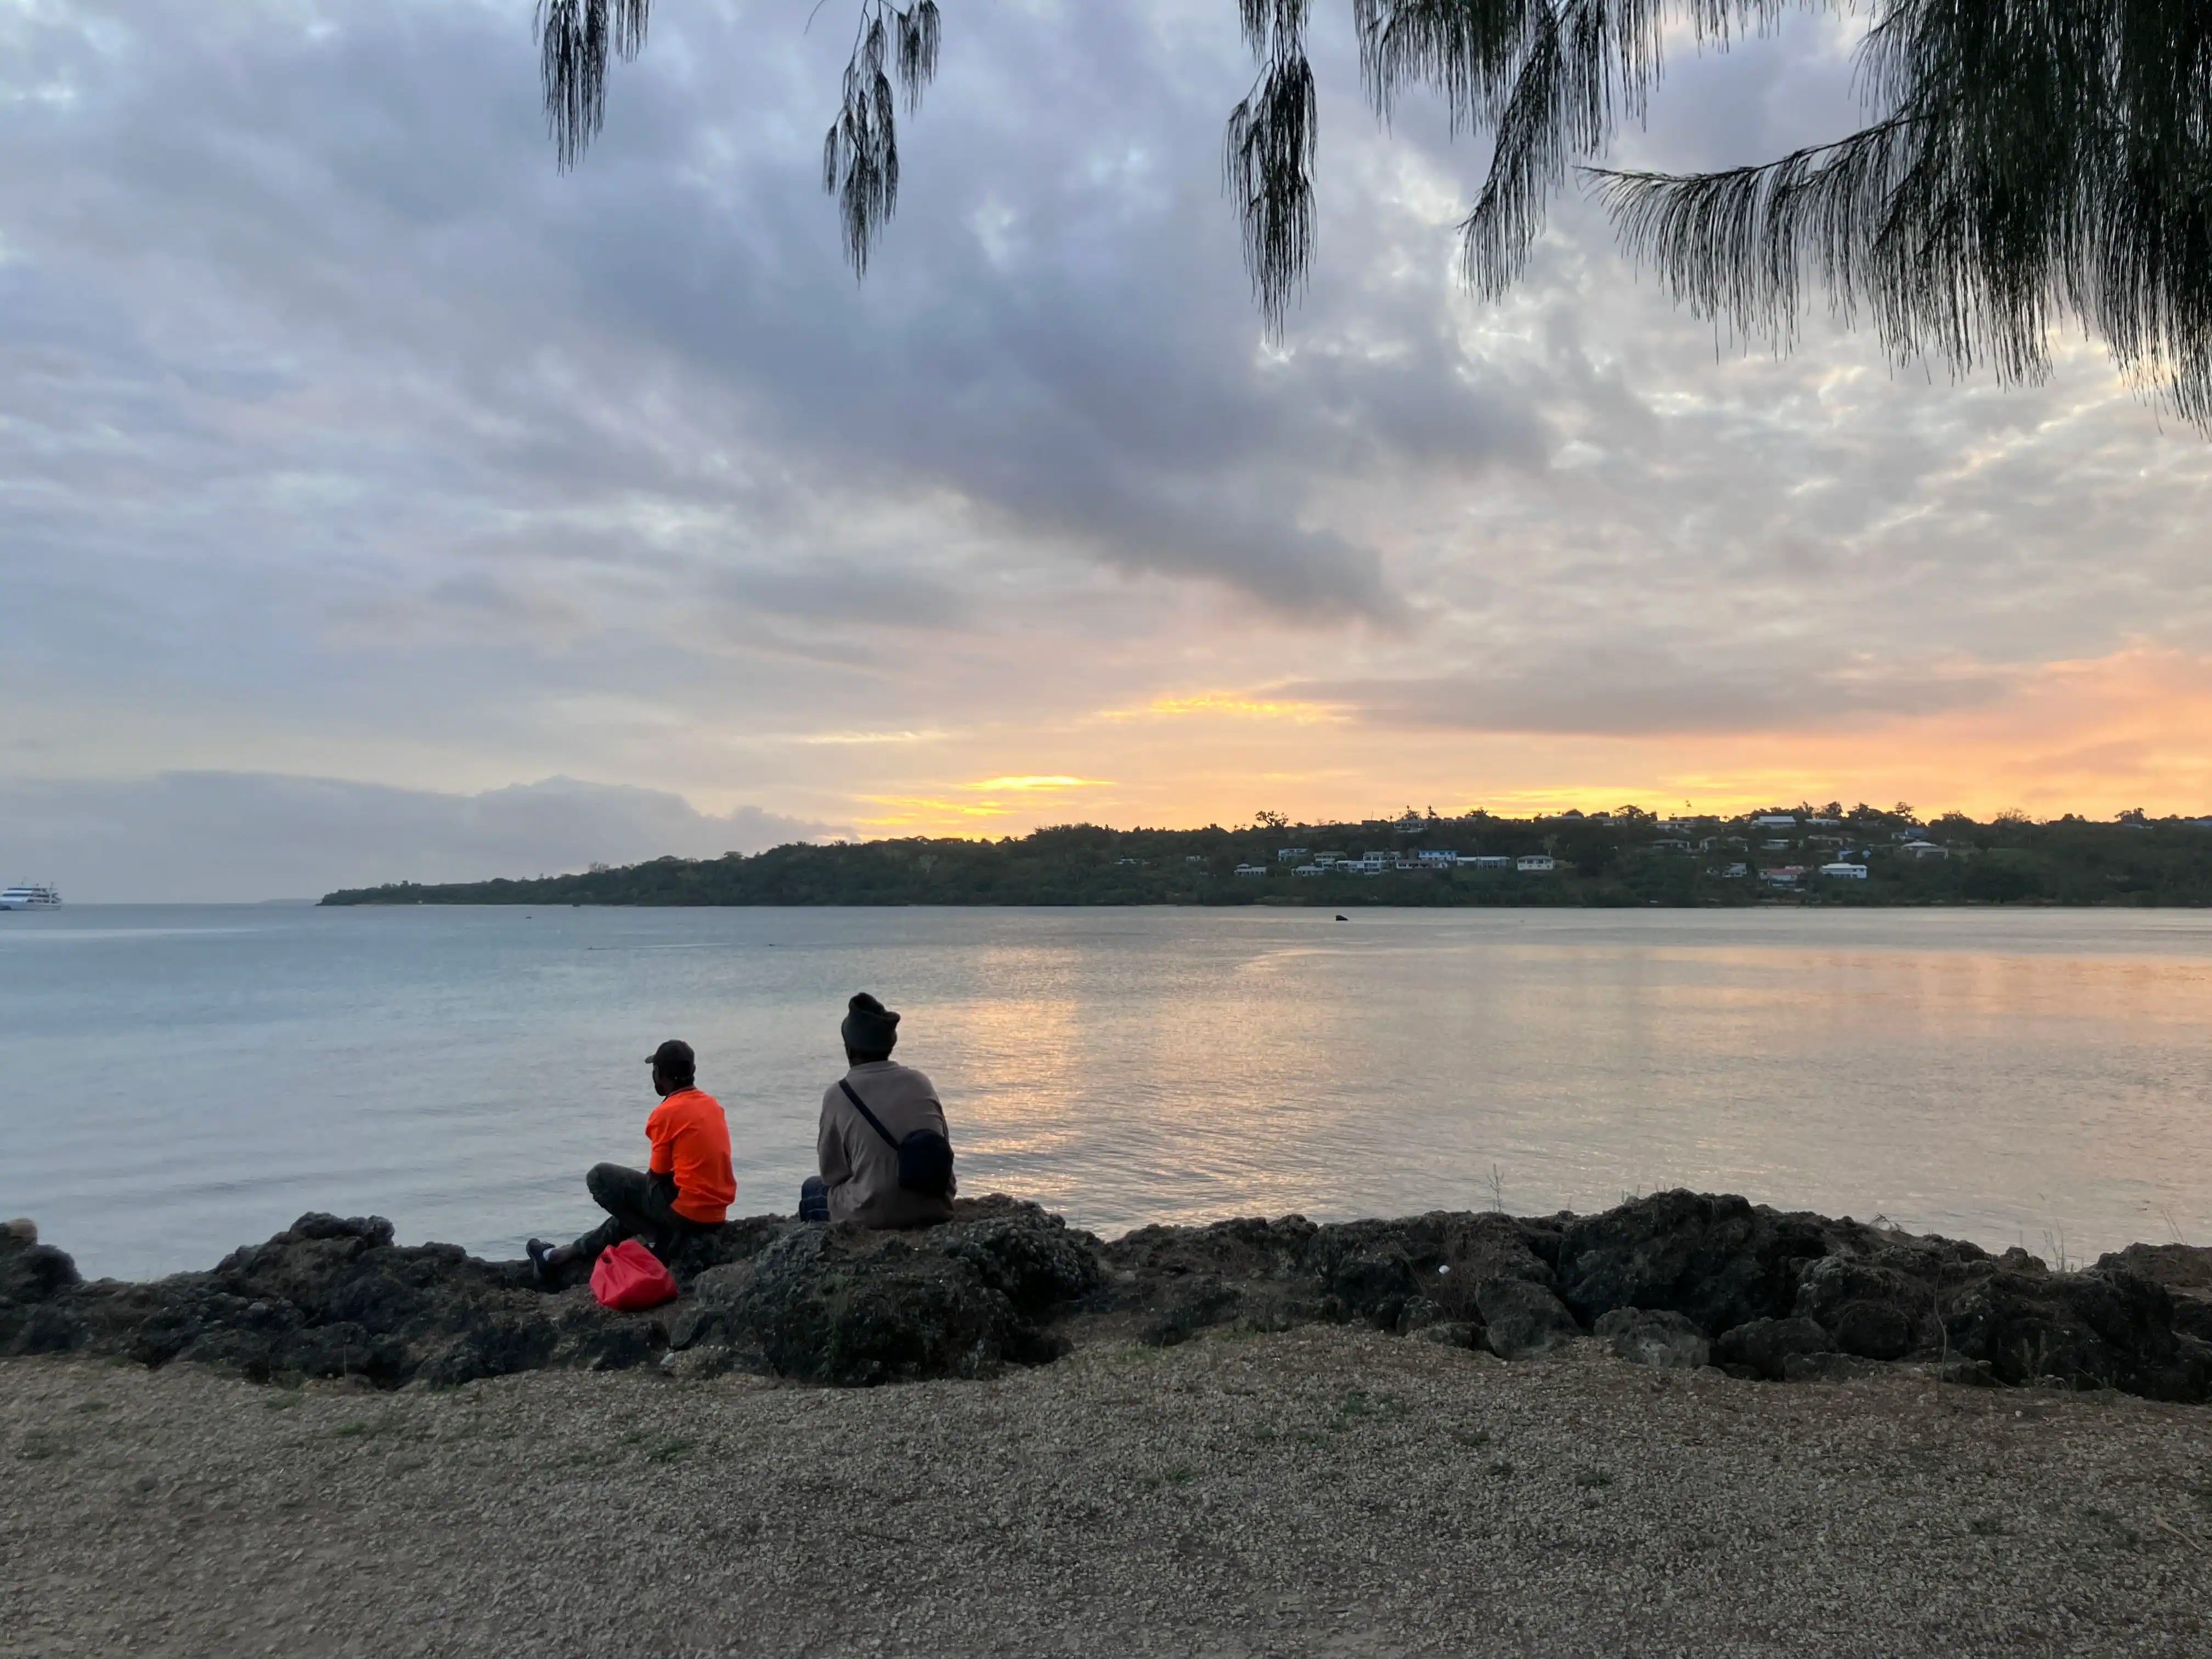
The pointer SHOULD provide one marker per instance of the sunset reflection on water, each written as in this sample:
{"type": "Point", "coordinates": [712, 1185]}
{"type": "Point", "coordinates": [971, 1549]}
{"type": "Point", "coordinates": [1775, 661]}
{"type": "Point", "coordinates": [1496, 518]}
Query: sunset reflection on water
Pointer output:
{"type": "Point", "coordinates": [2035, 1077]}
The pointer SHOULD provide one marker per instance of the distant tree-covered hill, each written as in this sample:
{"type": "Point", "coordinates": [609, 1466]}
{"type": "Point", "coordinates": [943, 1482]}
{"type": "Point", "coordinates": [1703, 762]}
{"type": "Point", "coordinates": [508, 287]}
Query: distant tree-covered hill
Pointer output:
{"type": "Point", "coordinates": [1629, 857]}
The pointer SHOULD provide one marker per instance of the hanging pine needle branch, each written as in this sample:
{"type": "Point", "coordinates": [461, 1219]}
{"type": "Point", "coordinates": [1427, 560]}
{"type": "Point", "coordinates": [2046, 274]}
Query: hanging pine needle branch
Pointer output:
{"type": "Point", "coordinates": [1267, 157]}
{"type": "Point", "coordinates": [578, 41]}
{"type": "Point", "coordinates": [2025, 162]}
{"type": "Point", "coordinates": [859, 155]}
{"type": "Point", "coordinates": [2034, 162]}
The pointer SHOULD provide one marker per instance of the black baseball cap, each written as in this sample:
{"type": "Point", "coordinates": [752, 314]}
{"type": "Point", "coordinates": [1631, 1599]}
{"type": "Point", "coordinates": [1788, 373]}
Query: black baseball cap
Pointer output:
{"type": "Point", "coordinates": [674, 1060]}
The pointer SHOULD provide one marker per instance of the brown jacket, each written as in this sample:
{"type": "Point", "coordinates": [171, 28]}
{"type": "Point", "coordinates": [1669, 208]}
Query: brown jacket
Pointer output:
{"type": "Point", "coordinates": [862, 1169]}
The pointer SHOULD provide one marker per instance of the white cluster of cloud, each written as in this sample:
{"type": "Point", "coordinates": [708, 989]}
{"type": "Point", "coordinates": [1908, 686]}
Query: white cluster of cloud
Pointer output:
{"type": "Point", "coordinates": [341, 435]}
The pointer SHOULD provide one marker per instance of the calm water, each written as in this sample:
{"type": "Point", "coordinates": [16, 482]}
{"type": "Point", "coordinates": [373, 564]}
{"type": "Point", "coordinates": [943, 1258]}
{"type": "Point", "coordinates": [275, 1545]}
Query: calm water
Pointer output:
{"type": "Point", "coordinates": [176, 1081]}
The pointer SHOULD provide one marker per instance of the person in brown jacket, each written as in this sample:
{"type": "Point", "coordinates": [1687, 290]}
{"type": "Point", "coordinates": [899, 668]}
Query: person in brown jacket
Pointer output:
{"type": "Point", "coordinates": [861, 1159]}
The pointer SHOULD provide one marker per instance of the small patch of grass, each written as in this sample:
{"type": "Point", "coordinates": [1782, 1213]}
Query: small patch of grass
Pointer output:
{"type": "Point", "coordinates": [2204, 1496]}
{"type": "Point", "coordinates": [281, 1402]}
{"type": "Point", "coordinates": [1593, 1479]}
{"type": "Point", "coordinates": [86, 1408]}
{"type": "Point", "coordinates": [1473, 1437]}
{"type": "Point", "coordinates": [1986, 1526]}
{"type": "Point", "coordinates": [1503, 1468]}
{"type": "Point", "coordinates": [1310, 1437]}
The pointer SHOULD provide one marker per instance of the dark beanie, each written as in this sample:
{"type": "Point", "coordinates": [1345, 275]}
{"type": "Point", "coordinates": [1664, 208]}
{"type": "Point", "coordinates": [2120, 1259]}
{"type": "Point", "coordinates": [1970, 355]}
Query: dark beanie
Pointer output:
{"type": "Point", "coordinates": [869, 1028]}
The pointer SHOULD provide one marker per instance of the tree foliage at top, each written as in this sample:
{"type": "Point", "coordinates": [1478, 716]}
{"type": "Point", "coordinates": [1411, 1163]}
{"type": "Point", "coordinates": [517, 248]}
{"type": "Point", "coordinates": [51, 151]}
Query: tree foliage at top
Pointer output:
{"type": "Point", "coordinates": [2026, 163]}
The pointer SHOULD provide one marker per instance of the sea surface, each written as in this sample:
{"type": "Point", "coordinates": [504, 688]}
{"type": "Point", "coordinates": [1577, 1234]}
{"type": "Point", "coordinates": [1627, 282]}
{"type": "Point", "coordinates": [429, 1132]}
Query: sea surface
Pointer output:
{"type": "Point", "coordinates": [177, 1081]}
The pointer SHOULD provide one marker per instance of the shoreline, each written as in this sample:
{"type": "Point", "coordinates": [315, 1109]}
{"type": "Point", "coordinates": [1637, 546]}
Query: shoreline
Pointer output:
{"type": "Point", "coordinates": [1259, 1437]}
{"type": "Point", "coordinates": [1675, 1280]}
{"type": "Point", "coordinates": [1352, 899]}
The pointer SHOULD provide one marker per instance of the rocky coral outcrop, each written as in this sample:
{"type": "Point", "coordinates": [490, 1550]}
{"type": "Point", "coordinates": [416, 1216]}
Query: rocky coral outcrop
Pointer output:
{"type": "Point", "coordinates": [1764, 1347]}
{"type": "Point", "coordinates": [1674, 1280]}
{"type": "Point", "coordinates": [834, 1304]}
{"type": "Point", "coordinates": [1520, 1319]}
{"type": "Point", "coordinates": [1654, 1337]}
{"type": "Point", "coordinates": [336, 1297]}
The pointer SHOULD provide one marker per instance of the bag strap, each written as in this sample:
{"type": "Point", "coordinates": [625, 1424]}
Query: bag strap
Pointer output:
{"type": "Point", "coordinates": [874, 1122]}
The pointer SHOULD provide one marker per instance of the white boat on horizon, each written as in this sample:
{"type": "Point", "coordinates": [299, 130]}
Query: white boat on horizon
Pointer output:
{"type": "Point", "coordinates": [30, 895]}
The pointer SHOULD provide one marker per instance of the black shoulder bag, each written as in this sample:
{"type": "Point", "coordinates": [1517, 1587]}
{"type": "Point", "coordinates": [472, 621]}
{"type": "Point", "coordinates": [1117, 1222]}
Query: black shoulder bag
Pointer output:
{"type": "Point", "coordinates": [924, 1157]}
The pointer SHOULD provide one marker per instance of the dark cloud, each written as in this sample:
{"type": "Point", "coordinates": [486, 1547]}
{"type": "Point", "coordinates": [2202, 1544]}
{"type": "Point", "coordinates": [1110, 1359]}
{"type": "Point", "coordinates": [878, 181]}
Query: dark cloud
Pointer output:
{"type": "Point", "coordinates": [207, 837]}
{"type": "Point", "coordinates": [329, 408]}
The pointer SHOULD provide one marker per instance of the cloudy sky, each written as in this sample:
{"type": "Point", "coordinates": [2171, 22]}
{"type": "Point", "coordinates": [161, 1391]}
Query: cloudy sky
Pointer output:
{"type": "Point", "coordinates": [377, 501]}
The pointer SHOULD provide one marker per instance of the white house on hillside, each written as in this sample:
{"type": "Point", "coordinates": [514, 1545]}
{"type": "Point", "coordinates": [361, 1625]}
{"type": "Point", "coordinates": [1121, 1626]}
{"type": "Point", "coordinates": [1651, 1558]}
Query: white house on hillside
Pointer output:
{"type": "Point", "coordinates": [1535, 863]}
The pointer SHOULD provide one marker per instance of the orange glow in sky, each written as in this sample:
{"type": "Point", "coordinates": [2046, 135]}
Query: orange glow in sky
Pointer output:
{"type": "Point", "coordinates": [2094, 736]}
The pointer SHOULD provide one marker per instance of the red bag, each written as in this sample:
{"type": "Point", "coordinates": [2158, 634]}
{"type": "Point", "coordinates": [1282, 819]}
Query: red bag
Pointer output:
{"type": "Point", "coordinates": [629, 1277]}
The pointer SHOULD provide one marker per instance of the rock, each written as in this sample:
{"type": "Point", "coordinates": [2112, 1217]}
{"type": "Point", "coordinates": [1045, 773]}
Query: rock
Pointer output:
{"type": "Point", "coordinates": [1243, 1250]}
{"type": "Point", "coordinates": [1793, 1296]}
{"type": "Point", "coordinates": [2184, 1270]}
{"type": "Point", "coordinates": [334, 1298]}
{"type": "Point", "coordinates": [1419, 1314]}
{"type": "Point", "coordinates": [1178, 1280]}
{"type": "Point", "coordinates": [30, 1271]}
{"type": "Point", "coordinates": [1874, 1312]}
{"type": "Point", "coordinates": [1763, 1347]}
{"type": "Point", "coordinates": [2107, 1329]}
{"type": "Point", "coordinates": [1198, 1304]}
{"type": "Point", "coordinates": [1372, 1268]}
{"type": "Point", "coordinates": [1716, 1260]}
{"type": "Point", "coordinates": [838, 1304]}
{"type": "Point", "coordinates": [1033, 1259]}
{"type": "Point", "coordinates": [1374, 1285]}
{"type": "Point", "coordinates": [1522, 1320]}
{"type": "Point", "coordinates": [834, 1304]}
{"type": "Point", "coordinates": [35, 1282]}
{"type": "Point", "coordinates": [1650, 1336]}
{"type": "Point", "coordinates": [2179, 1268]}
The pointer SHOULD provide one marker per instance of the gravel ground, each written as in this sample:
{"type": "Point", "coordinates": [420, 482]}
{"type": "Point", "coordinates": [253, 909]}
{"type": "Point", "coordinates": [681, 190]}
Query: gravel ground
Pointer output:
{"type": "Point", "coordinates": [1324, 1492]}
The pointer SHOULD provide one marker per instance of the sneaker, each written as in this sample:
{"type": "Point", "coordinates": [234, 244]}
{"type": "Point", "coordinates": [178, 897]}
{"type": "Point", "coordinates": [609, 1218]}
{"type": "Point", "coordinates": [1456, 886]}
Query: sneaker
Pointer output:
{"type": "Point", "coordinates": [537, 1249]}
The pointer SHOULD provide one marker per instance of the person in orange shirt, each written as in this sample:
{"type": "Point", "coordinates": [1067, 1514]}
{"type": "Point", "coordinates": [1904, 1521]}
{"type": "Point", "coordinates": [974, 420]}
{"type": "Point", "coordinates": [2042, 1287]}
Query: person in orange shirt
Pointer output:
{"type": "Point", "coordinates": [686, 1186]}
